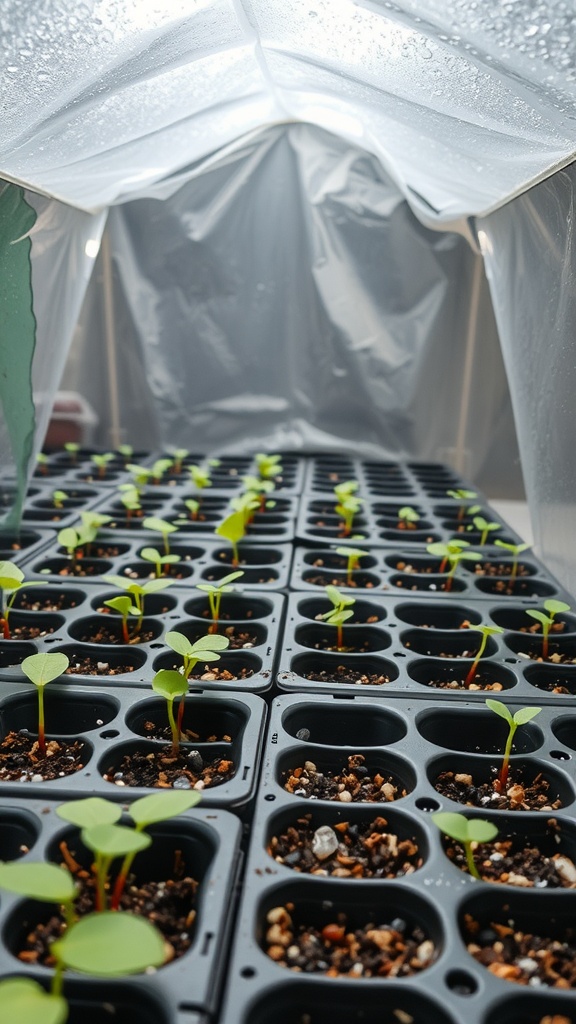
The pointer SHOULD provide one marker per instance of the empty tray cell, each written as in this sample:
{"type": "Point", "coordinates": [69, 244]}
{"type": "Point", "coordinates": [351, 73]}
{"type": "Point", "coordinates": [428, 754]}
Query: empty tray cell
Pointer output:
{"type": "Point", "coordinates": [19, 830]}
{"type": "Point", "coordinates": [349, 726]}
{"type": "Point", "coordinates": [48, 598]}
{"type": "Point", "coordinates": [344, 669]}
{"type": "Point", "coordinates": [552, 679]}
{"type": "Point", "coordinates": [88, 660]}
{"type": "Point", "coordinates": [438, 616]}
{"type": "Point", "coordinates": [357, 639]}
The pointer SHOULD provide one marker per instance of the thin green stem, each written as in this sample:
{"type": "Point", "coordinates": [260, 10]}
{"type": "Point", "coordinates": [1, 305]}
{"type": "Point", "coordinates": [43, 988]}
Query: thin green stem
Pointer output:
{"type": "Point", "coordinates": [470, 860]}
{"type": "Point", "coordinates": [41, 732]}
{"type": "Point", "coordinates": [503, 777]}
{"type": "Point", "coordinates": [173, 727]}
{"type": "Point", "coordinates": [474, 667]}
{"type": "Point", "coordinates": [57, 979]}
{"type": "Point", "coordinates": [545, 631]}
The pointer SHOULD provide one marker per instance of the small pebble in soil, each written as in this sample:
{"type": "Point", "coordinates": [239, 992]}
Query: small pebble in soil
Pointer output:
{"type": "Point", "coordinates": [523, 957]}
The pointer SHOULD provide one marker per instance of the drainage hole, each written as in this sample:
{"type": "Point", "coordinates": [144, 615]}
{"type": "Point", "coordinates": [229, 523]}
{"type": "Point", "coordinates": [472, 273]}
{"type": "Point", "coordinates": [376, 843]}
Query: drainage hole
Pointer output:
{"type": "Point", "coordinates": [560, 755]}
{"type": "Point", "coordinates": [248, 972]}
{"type": "Point", "coordinates": [206, 944]}
{"type": "Point", "coordinates": [109, 734]}
{"type": "Point", "coordinates": [462, 983]}
{"type": "Point", "coordinates": [269, 796]}
{"type": "Point", "coordinates": [427, 803]}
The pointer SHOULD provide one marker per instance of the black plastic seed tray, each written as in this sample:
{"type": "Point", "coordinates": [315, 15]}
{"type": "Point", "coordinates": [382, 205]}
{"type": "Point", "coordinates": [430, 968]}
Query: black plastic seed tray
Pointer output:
{"type": "Point", "coordinates": [377, 525]}
{"type": "Point", "coordinates": [185, 990]}
{"type": "Point", "coordinates": [410, 740]}
{"type": "Point", "coordinates": [386, 479]}
{"type": "Point", "coordinates": [20, 545]}
{"type": "Point", "coordinates": [40, 510]}
{"type": "Point", "coordinates": [394, 647]}
{"type": "Point", "coordinates": [276, 524]}
{"type": "Point", "coordinates": [227, 474]}
{"type": "Point", "coordinates": [202, 561]}
{"type": "Point", "coordinates": [113, 723]}
{"type": "Point", "coordinates": [417, 574]}
{"type": "Point", "coordinates": [70, 620]}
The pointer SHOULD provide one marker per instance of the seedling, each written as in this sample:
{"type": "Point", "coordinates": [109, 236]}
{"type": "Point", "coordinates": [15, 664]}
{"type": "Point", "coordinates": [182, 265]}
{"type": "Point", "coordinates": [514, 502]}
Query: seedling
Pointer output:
{"type": "Point", "coordinates": [140, 474]}
{"type": "Point", "coordinates": [353, 556]}
{"type": "Point", "coordinates": [486, 631]}
{"type": "Point", "coordinates": [130, 498]}
{"type": "Point", "coordinates": [521, 717]}
{"type": "Point", "coordinates": [58, 498]}
{"type": "Point", "coordinates": [468, 831]}
{"type": "Point", "coordinates": [345, 489]}
{"type": "Point", "coordinates": [204, 649]}
{"type": "Point", "coordinates": [123, 605]}
{"type": "Point", "coordinates": [42, 463]}
{"type": "Point", "coordinates": [462, 496]}
{"type": "Point", "coordinates": [193, 507]}
{"type": "Point", "coordinates": [247, 503]}
{"type": "Point", "coordinates": [91, 523]}
{"type": "Point", "coordinates": [233, 529]}
{"type": "Point", "coordinates": [72, 447]}
{"type": "Point", "coordinates": [260, 488]}
{"type": "Point", "coordinates": [41, 669]}
{"type": "Point", "coordinates": [126, 451]}
{"type": "Point", "coordinates": [101, 462]}
{"type": "Point", "coordinates": [451, 554]}
{"type": "Point", "coordinates": [340, 612]}
{"type": "Point", "coordinates": [199, 477]}
{"type": "Point", "coordinates": [161, 562]}
{"type": "Point", "coordinates": [178, 457]}
{"type": "Point", "coordinates": [73, 541]}
{"type": "Point", "coordinates": [347, 508]}
{"type": "Point", "coordinates": [407, 518]}
{"type": "Point", "coordinates": [11, 580]}
{"type": "Point", "coordinates": [268, 466]}
{"type": "Point", "coordinates": [160, 526]}
{"type": "Point", "coordinates": [547, 621]}
{"type": "Point", "coordinates": [138, 593]}
{"type": "Point", "coordinates": [515, 550]}
{"type": "Point", "coordinates": [485, 528]}
{"type": "Point", "coordinates": [215, 592]}
{"type": "Point", "coordinates": [160, 467]}
{"type": "Point", "coordinates": [171, 684]}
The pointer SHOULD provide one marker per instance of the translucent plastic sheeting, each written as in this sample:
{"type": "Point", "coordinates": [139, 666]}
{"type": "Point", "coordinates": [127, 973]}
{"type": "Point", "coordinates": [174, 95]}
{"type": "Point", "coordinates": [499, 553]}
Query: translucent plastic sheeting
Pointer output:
{"type": "Point", "coordinates": [465, 102]}
{"type": "Point", "coordinates": [63, 243]}
{"type": "Point", "coordinates": [530, 254]}
{"type": "Point", "coordinates": [286, 297]}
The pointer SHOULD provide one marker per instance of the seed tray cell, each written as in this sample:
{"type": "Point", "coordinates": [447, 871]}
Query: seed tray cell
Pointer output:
{"type": "Point", "coordinates": [376, 525]}
{"type": "Point", "coordinates": [382, 479]}
{"type": "Point", "coordinates": [21, 545]}
{"type": "Point", "coordinates": [39, 510]}
{"type": "Point", "coordinates": [455, 986]}
{"type": "Point", "coordinates": [111, 724]}
{"type": "Point", "coordinates": [185, 610]}
{"type": "Point", "coordinates": [202, 561]}
{"type": "Point", "coordinates": [419, 577]}
{"type": "Point", "coordinates": [185, 990]}
{"type": "Point", "coordinates": [404, 640]}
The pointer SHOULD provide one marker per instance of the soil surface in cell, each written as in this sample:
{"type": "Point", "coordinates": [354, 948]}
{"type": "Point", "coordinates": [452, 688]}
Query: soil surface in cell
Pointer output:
{"type": "Point", "coordinates": [555, 658]}
{"type": "Point", "coordinates": [78, 569]}
{"type": "Point", "coordinates": [344, 674]}
{"type": "Point", "coordinates": [353, 783]}
{"type": "Point", "coordinates": [153, 731]}
{"type": "Point", "coordinates": [162, 769]}
{"type": "Point", "coordinates": [322, 580]}
{"type": "Point", "coordinates": [104, 634]}
{"type": "Point", "coordinates": [22, 761]}
{"type": "Point", "coordinates": [325, 644]}
{"type": "Point", "coordinates": [54, 603]}
{"type": "Point", "coordinates": [519, 794]}
{"type": "Point", "coordinates": [211, 576]}
{"type": "Point", "coordinates": [240, 638]}
{"type": "Point", "coordinates": [513, 861]}
{"type": "Point", "coordinates": [499, 569]}
{"type": "Point", "coordinates": [379, 949]}
{"type": "Point", "coordinates": [346, 850]}
{"type": "Point", "coordinates": [87, 666]}
{"type": "Point", "coordinates": [170, 905]}
{"type": "Point", "coordinates": [478, 683]}
{"type": "Point", "coordinates": [354, 621]}
{"type": "Point", "coordinates": [212, 674]}
{"type": "Point", "coordinates": [523, 957]}
{"type": "Point", "coordinates": [27, 632]}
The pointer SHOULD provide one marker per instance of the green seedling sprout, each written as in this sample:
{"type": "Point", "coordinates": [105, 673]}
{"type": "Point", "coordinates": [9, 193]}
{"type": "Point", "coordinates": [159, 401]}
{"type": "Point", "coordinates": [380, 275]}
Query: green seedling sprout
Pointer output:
{"type": "Point", "coordinates": [72, 447]}
{"type": "Point", "coordinates": [347, 509]}
{"type": "Point", "coordinates": [486, 631]}
{"type": "Point", "coordinates": [126, 451]}
{"type": "Point", "coordinates": [73, 540]}
{"type": "Point", "coordinates": [161, 562]}
{"type": "Point", "coordinates": [206, 649]}
{"type": "Point", "coordinates": [547, 621]}
{"type": "Point", "coordinates": [101, 462]}
{"type": "Point", "coordinates": [515, 550]}
{"type": "Point", "coordinates": [462, 496]}
{"type": "Point", "coordinates": [268, 466]}
{"type": "Point", "coordinates": [521, 717]}
{"type": "Point", "coordinates": [91, 523]}
{"type": "Point", "coordinates": [261, 488]}
{"type": "Point", "coordinates": [485, 528]}
{"type": "Point", "coordinates": [407, 518]}
{"type": "Point", "coordinates": [11, 581]}
{"type": "Point", "coordinates": [138, 593]}
{"type": "Point", "coordinates": [108, 842]}
{"type": "Point", "coordinates": [42, 463]}
{"type": "Point", "coordinates": [199, 477]}
{"type": "Point", "coordinates": [140, 474]}
{"type": "Point", "coordinates": [125, 608]}
{"type": "Point", "coordinates": [233, 529]}
{"type": "Point", "coordinates": [353, 556]}
{"type": "Point", "coordinates": [346, 489]}
{"type": "Point", "coordinates": [247, 503]}
{"type": "Point", "coordinates": [452, 554]}
{"type": "Point", "coordinates": [193, 507]}
{"type": "Point", "coordinates": [215, 592]}
{"type": "Point", "coordinates": [160, 467]}
{"type": "Point", "coordinates": [178, 457]}
{"type": "Point", "coordinates": [468, 831]}
{"type": "Point", "coordinates": [170, 684]}
{"type": "Point", "coordinates": [41, 669]}
{"type": "Point", "coordinates": [46, 883]}
{"type": "Point", "coordinates": [130, 498]}
{"type": "Point", "coordinates": [160, 526]}
{"type": "Point", "coordinates": [58, 498]}
{"type": "Point", "coordinates": [340, 612]}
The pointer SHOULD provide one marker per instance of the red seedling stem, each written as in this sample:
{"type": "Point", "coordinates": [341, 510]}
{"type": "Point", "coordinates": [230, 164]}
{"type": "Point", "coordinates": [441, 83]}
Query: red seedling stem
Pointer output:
{"type": "Point", "coordinates": [5, 629]}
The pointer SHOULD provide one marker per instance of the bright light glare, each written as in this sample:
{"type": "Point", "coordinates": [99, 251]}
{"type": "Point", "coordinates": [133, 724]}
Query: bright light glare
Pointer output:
{"type": "Point", "coordinates": [92, 247]}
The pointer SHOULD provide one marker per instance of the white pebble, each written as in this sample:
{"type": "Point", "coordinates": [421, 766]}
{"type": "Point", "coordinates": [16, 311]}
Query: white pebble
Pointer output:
{"type": "Point", "coordinates": [324, 842]}
{"type": "Point", "coordinates": [345, 796]}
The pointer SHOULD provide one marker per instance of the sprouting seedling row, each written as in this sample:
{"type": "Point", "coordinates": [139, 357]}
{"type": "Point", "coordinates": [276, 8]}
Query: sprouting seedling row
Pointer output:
{"type": "Point", "coordinates": [172, 684]}
{"type": "Point", "coordinates": [341, 611]}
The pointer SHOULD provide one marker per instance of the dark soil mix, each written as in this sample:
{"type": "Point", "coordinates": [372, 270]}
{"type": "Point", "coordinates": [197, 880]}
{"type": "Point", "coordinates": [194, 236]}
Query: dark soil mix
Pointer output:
{"type": "Point", "coordinates": [21, 760]}
{"type": "Point", "coordinates": [346, 850]}
{"type": "Point", "coordinates": [512, 861]}
{"type": "Point", "coordinates": [377, 950]}
{"type": "Point", "coordinates": [354, 621]}
{"type": "Point", "coordinates": [79, 569]}
{"type": "Point", "coordinates": [432, 568]}
{"type": "Point", "coordinates": [215, 577]}
{"type": "Point", "coordinates": [54, 603]}
{"type": "Point", "coordinates": [26, 632]}
{"type": "Point", "coordinates": [170, 905]}
{"type": "Point", "coordinates": [162, 732]}
{"type": "Point", "coordinates": [88, 666]}
{"type": "Point", "coordinates": [212, 674]}
{"type": "Point", "coordinates": [144, 571]}
{"type": "Point", "coordinates": [106, 634]}
{"type": "Point", "coordinates": [556, 657]}
{"type": "Point", "coordinates": [460, 684]}
{"type": "Point", "coordinates": [353, 783]}
{"type": "Point", "coordinates": [331, 581]}
{"type": "Point", "coordinates": [418, 587]}
{"type": "Point", "coordinates": [247, 613]}
{"type": "Point", "coordinates": [345, 674]}
{"type": "Point", "coordinates": [519, 796]}
{"type": "Point", "coordinates": [162, 769]}
{"type": "Point", "coordinates": [523, 957]}
{"type": "Point", "coordinates": [362, 647]}
{"type": "Point", "coordinates": [240, 639]}
{"type": "Point", "coordinates": [500, 569]}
